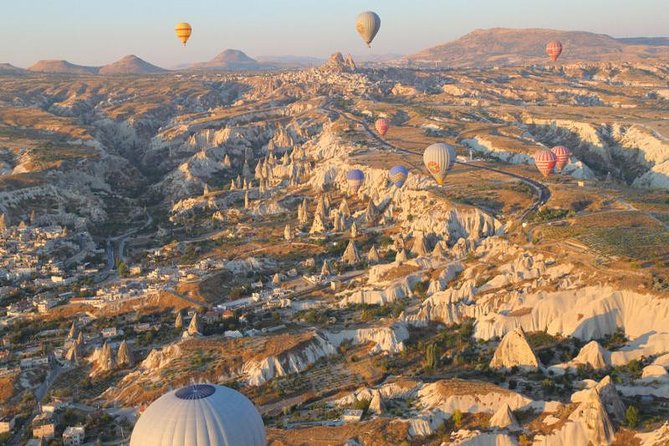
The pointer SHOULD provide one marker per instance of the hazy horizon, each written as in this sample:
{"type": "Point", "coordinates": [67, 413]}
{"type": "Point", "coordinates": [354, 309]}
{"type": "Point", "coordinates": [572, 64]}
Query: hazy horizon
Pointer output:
{"type": "Point", "coordinates": [88, 34]}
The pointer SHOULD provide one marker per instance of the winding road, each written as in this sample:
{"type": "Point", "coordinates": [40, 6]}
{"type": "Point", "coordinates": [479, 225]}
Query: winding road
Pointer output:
{"type": "Point", "coordinates": [542, 191]}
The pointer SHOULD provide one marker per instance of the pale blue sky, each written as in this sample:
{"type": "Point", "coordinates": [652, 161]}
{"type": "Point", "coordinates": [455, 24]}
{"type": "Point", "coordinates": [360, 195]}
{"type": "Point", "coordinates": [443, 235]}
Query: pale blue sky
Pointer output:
{"type": "Point", "coordinates": [96, 32]}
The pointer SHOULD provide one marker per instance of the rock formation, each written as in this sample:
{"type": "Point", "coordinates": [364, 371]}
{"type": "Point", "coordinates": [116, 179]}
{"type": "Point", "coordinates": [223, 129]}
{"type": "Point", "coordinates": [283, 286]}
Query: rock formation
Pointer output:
{"type": "Point", "coordinates": [195, 328]}
{"type": "Point", "coordinates": [401, 256]}
{"type": "Point", "coordinates": [179, 321]}
{"type": "Point", "coordinates": [125, 357]}
{"type": "Point", "coordinates": [288, 233]}
{"type": "Point", "coordinates": [591, 354]}
{"type": "Point", "coordinates": [318, 226]}
{"type": "Point", "coordinates": [325, 270]}
{"type": "Point", "coordinates": [514, 351]}
{"type": "Point", "coordinates": [504, 418]}
{"type": "Point", "coordinates": [350, 256]}
{"type": "Point", "coordinates": [373, 255]}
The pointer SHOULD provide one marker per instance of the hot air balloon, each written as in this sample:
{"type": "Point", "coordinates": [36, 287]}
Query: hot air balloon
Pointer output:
{"type": "Point", "coordinates": [382, 125]}
{"type": "Point", "coordinates": [562, 154]}
{"type": "Point", "coordinates": [183, 31]}
{"type": "Point", "coordinates": [545, 161]}
{"type": "Point", "coordinates": [367, 24]}
{"type": "Point", "coordinates": [439, 158]}
{"type": "Point", "coordinates": [554, 49]}
{"type": "Point", "coordinates": [355, 179]}
{"type": "Point", "coordinates": [398, 175]}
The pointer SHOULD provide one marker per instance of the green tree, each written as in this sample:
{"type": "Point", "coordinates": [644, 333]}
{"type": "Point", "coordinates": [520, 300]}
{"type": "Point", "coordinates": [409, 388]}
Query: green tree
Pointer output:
{"type": "Point", "coordinates": [457, 418]}
{"type": "Point", "coordinates": [432, 356]}
{"type": "Point", "coordinates": [632, 417]}
{"type": "Point", "coordinates": [122, 268]}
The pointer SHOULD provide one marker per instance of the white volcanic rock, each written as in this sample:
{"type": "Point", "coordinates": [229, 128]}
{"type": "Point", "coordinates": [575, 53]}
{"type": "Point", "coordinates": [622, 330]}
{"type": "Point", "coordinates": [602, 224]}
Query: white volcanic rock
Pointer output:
{"type": "Point", "coordinates": [160, 358]}
{"type": "Point", "coordinates": [657, 437]}
{"type": "Point", "coordinates": [449, 273]}
{"type": "Point", "coordinates": [504, 419]}
{"type": "Point", "coordinates": [385, 339]}
{"type": "Point", "coordinates": [588, 424]}
{"type": "Point", "coordinates": [476, 438]}
{"type": "Point", "coordinates": [125, 357]}
{"type": "Point", "coordinates": [351, 255]}
{"type": "Point", "coordinates": [650, 344]}
{"type": "Point", "coordinates": [514, 351]}
{"type": "Point", "coordinates": [608, 395]}
{"type": "Point", "coordinates": [293, 361]}
{"type": "Point", "coordinates": [592, 354]}
{"type": "Point", "coordinates": [587, 313]}
{"type": "Point", "coordinates": [399, 289]}
{"type": "Point", "coordinates": [469, 397]}
{"type": "Point", "coordinates": [654, 372]}
{"type": "Point", "coordinates": [444, 306]}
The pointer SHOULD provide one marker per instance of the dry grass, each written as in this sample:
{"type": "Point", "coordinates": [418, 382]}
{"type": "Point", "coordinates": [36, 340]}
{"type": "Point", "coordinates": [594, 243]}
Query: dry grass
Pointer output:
{"type": "Point", "coordinates": [379, 432]}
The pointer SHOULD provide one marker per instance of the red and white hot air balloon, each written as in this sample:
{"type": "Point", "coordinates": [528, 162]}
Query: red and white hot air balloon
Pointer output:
{"type": "Point", "coordinates": [382, 125]}
{"type": "Point", "coordinates": [554, 49]}
{"type": "Point", "coordinates": [545, 161]}
{"type": "Point", "coordinates": [562, 154]}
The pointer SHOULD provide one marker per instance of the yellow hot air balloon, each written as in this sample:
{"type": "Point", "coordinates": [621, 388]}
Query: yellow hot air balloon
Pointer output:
{"type": "Point", "coordinates": [183, 31]}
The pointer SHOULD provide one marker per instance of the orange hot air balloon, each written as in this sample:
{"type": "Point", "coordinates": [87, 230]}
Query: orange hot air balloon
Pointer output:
{"type": "Point", "coordinates": [545, 161]}
{"type": "Point", "coordinates": [382, 125]}
{"type": "Point", "coordinates": [183, 31]}
{"type": "Point", "coordinates": [562, 154]}
{"type": "Point", "coordinates": [554, 49]}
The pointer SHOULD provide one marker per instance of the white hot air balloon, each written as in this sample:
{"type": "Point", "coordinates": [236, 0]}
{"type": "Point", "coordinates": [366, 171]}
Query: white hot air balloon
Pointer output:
{"type": "Point", "coordinates": [439, 159]}
{"type": "Point", "coordinates": [367, 25]}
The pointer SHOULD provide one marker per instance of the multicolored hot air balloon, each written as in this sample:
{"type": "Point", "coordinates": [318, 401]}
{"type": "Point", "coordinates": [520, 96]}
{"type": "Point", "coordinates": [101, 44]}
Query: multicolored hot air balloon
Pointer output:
{"type": "Point", "coordinates": [382, 125]}
{"type": "Point", "coordinates": [183, 31]}
{"type": "Point", "coordinates": [399, 175]}
{"type": "Point", "coordinates": [355, 179]}
{"type": "Point", "coordinates": [562, 154]}
{"type": "Point", "coordinates": [545, 161]}
{"type": "Point", "coordinates": [439, 159]}
{"type": "Point", "coordinates": [554, 49]}
{"type": "Point", "coordinates": [368, 24]}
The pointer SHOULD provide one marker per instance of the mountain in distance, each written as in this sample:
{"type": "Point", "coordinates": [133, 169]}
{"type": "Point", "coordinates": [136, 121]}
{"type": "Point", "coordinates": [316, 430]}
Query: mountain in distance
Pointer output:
{"type": "Point", "coordinates": [6, 68]}
{"type": "Point", "coordinates": [61, 66]}
{"type": "Point", "coordinates": [504, 46]}
{"type": "Point", "coordinates": [229, 60]}
{"type": "Point", "coordinates": [130, 65]}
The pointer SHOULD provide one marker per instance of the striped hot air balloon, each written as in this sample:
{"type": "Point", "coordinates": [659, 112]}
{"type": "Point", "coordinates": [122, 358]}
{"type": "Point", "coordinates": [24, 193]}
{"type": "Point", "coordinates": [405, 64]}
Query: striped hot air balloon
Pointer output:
{"type": "Point", "coordinates": [183, 31]}
{"type": "Point", "coordinates": [368, 24]}
{"type": "Point", "coordinates": [399, 175]}
{"type": "Point", "coordinates": [562, 155]}
{"type": "Point", "coordinates": [355, 179]}
{"type": "Point", "coordinates": [545, 161]}
{"type": "Point", "coordinates": [382, 125]}
{"type": "Point", "coordinates": [554, 49]}
{"type": "Point", "coordinates": [439, 159]}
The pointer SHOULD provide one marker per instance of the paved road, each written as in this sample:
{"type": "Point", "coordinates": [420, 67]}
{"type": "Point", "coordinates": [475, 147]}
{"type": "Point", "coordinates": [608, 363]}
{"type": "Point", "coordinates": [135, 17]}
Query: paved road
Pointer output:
{"type": "Point", "coordinates": [542, 191]}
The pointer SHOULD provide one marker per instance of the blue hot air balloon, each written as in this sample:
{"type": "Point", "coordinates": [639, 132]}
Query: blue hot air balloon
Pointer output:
{"type": "Point", "coordinates": [398, 175]}
{"type": "Point", "coordinates": [355, 179]}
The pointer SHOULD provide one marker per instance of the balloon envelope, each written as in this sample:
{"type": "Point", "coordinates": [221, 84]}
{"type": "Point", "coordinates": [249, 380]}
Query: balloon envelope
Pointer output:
{"type": "Point", "coordinates": [554, 49]}
{"type": "Point", "coordinates": [562, 155]}
{"type": "Point", "coordinates": [545, 161]}
{"type": "Point", "coordinates": [368, 24]}
{"type": "Point", "coordinates": [355, 179]}
{"type": "Point", "coordinates": [183, 31]}
{"type": "Point", "coordinates": [439, 159]}
{"type": "Point", "coordinates": [399, 175]}
{"type": "Point", "coordinates": [382, 125]}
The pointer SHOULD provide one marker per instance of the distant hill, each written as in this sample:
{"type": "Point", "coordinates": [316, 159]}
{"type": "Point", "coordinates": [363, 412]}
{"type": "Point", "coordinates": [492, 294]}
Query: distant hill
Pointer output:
{"type": "Point", "coordinates": [130, 65]}
{"type": "Point", "coordinates": [229, 60]}
{"type": "Point", "coordinates": [61, 66]}
{"type": "Point", "coordinates": [6, 68]}
{"type": "Point", "coordinates": [503, 46]}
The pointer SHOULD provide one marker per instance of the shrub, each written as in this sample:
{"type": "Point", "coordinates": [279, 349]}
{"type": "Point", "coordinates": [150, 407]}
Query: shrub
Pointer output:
{"type": "Point", "coordinates": [457, 418]}
{"type": "Point", "coordinates": [632, 417]}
